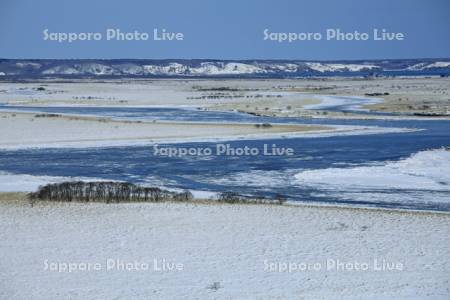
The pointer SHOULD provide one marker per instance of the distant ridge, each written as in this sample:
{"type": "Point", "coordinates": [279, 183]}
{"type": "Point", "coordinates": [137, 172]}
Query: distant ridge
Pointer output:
{"type": "Point", "coordinates": [218, 68]}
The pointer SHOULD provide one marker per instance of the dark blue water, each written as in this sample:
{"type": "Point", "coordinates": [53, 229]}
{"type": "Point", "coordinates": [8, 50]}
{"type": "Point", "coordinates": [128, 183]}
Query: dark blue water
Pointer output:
{"type": "Point", "coordinates": [251, 175]}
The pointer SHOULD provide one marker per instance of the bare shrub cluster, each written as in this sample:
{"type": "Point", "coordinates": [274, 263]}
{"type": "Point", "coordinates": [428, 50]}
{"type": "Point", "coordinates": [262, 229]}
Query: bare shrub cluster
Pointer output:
{"type": "Point", "coordinates": [264, 125]}
{"type": "Point", "coordinates": [45, 115]}
{"type": "Point", "coordinates": [116, 192]}
{"type": "Point", "coordinates": [106, 191]}
{"type": "Point", "coordinates": [233, 197]}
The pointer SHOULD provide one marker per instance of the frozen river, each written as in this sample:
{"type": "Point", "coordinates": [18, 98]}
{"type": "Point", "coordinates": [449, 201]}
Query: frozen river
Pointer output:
{"type": "Point", "coordinates": [386, 170]}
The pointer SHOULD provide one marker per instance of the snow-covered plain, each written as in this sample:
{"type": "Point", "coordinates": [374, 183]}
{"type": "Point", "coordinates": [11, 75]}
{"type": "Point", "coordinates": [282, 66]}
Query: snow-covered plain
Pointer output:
{"type": "Point", "coordinates": [24, 130]}
{"type": "Point", "coordinates": [225, 252]}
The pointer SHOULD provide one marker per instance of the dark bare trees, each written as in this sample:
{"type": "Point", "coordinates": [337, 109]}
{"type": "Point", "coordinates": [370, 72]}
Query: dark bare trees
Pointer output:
{"type": "Point", "coordinates": [105, 191]}
{"type": "Point", "coordinates": [115, 192]}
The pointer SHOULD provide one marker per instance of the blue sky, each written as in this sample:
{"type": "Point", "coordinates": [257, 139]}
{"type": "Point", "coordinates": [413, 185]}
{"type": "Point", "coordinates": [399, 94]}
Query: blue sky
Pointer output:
{"type": "Point", "coordinates": [230, 29]}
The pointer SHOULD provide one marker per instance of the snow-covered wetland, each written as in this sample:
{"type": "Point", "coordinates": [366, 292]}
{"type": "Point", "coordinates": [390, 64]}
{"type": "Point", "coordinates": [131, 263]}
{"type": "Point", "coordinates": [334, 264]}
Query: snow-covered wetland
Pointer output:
{"type": "Point", "coordinates": [365, 179]}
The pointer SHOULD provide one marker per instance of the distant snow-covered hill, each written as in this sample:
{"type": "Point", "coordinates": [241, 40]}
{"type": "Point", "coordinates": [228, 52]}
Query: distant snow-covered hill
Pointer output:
{"type": "Point", "coordinates": [217, 68]}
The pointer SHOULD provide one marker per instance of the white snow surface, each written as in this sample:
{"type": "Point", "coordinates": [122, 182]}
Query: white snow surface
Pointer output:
{"type": "Point", "coordinates": [424, 66]}
{"type": "Point", "coordinates": [439, 64]}
{"type": "Point", "coordinates": [353, 103]}
{"type": "Point", "coordinates": [428, 170]}
{"type": "Point", "coordinates": [85, 68]}
{"type": "Point", "coordinates": [30, 183]}
{"type": "Point", "coordinates": [422, 177]}
{"type": "Point", "coordinates": [224, 251]}
{"type": "Point", "coordinates": [329, 67]}
{"type": "Point", "coordinates": [338, 130]}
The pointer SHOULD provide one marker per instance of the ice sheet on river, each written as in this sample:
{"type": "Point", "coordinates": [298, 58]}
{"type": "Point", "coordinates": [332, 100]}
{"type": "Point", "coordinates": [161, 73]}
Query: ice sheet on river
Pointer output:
{"type": "Point", "coordinates": [423, 176]}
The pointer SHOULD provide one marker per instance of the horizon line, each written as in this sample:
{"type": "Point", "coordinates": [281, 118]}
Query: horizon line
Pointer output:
{"type": "Point", "coordinates": [247, 59]}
